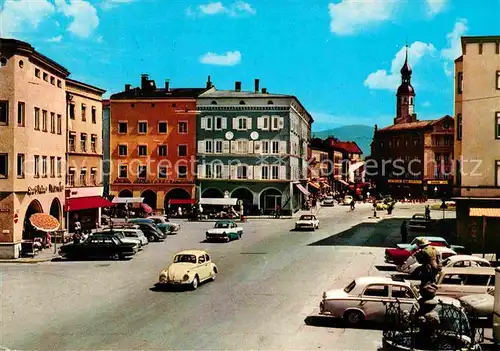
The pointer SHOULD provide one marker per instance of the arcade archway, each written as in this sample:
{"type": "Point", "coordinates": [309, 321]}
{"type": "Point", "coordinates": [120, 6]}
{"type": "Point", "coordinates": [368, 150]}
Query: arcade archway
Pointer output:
{"type": "Point", "coordinates": [212, 193]}
{"type": "Point", "coordinates": [125, 193]}
{"type": "Point", "coordinates": [149, 198]}
{"type": "Point", "coordinates": [29, 232]}
{"type": "Point", "coordinates": [55, 209]}
{"type": "Point", "coordinates": [270, 199]}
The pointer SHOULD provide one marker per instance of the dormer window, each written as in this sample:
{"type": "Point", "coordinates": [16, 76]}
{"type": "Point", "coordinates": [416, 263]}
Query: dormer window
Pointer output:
{"type": "Point", "coordinates": [270, 102]}
{"type": "Point", "coordinates": [242, 102]}
{"type": "Point", "coordinates": [214, 102]}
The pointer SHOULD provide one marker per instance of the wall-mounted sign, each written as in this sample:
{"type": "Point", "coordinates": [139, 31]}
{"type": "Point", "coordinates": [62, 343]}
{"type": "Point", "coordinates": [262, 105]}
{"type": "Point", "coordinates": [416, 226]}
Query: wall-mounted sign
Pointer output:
{"type": "Point", "coordinates": [437, 182]}
{"type": "Point", "coordinates": [404, 181]}
{"type": "Point", "coordinates": [42, 189]}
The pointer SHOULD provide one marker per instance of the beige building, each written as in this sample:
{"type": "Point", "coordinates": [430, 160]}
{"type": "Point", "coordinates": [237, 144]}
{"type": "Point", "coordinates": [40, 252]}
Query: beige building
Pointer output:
{"type": "Point", "coordinates": [477, 141]}
{"type": "Point", "coordinates": [32, 143]}
{"type": "Point", "coordinates": [84, 188]}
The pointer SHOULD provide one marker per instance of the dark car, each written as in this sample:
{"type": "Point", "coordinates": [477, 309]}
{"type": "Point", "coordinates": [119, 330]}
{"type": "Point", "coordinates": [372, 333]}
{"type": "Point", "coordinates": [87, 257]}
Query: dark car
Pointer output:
{"type": "Point", "coordinates": [99, 246]}
{"type": "Point", "coordinates": [151, 231]}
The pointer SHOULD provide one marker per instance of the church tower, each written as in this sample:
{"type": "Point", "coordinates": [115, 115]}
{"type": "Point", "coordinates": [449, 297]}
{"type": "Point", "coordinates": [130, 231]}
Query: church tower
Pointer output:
{"type": "Point", "coordinates": [405, 96]}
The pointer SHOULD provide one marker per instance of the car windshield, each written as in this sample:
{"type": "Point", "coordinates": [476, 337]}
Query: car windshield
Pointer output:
{"type": "Point", "coordinates": [222, 225]}
{"type": "Point", "coordinates": [350, 287]}
{"type": "Point", "coordinates": [185, 258]}
{"type": "Point", "coordinates": [306, 218]}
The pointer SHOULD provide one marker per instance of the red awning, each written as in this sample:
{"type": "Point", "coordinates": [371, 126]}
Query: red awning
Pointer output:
{"type": "Point", "coordinates": [181, 202]}
{"type": "Point", "coordinates": [85, 203]}
{"type": "Point", "coordinates": [147, 208]}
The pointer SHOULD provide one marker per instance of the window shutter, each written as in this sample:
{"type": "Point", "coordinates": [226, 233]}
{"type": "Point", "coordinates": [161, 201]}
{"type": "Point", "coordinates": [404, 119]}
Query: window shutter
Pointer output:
{"type": "Point", "coordinates": [224, 123]}
{"type": "Point", "coordinates": [250, 172]}
{"type": "Point", "coordinates": [234, 147]}
{"type": "Point", "coordinates": [257, 172]}
{"type": "Point", "coordinates": [282, 147]}
{"type": "Point", "coordinates": [201, 171]}
{"type": "Point", "coordinates": [260, 123]}
{"type": "Point", "coordinates": [203, 123]}
{"type": "Point", "coordinates": [282, 174]}
{"type": "Point", "coordinates": [250, 146]}
{"type": "Point", "coordinates": [225, 147]}
{"type": "Point", "coordinates": [234, 172]}
{"type": "Point", "coordinates": [249, 123]}
{"type": "Point", "coordinates": [235, 123]}
{"type": "Point", "coordinates": [281, 122]}
{"type": "Point", "coordinates": [225, 171]}
{"type": "Point", "coordinates": [257, 147]}
{"type": "Point", "coordinates": [201, 146]}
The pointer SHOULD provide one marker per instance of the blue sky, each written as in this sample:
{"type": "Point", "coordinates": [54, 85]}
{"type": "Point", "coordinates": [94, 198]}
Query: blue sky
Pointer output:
{"type": "Point", "coordinates": [337, 57]}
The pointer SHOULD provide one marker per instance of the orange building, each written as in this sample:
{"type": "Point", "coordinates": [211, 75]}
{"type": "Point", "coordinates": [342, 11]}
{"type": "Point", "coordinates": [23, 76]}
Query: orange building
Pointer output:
{"type": "Point", "coordinates": [153, 144]}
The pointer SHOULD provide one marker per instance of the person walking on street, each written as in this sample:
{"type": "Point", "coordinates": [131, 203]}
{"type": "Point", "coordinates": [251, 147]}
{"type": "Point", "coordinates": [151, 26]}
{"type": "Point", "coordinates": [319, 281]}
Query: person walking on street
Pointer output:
{"type": "Point", "coordinates": [352, 204]}
{"type": "Point", "coordinates": [427, 212]}
{"type": "Point", "coordinates": [404, 232]}
{"type": "Point", "coordinates": [277, 214]}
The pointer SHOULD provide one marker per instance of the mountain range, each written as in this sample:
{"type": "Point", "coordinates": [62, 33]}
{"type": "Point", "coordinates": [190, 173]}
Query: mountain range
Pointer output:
{"type": "Point", "coordinates": [361, 134]}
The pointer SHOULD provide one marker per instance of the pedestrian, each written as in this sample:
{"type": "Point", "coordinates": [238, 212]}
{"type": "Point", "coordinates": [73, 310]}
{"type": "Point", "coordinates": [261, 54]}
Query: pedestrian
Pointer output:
{"type": "Point", "coordinates": [277, 214]}
{"type": "Point", "coordinates": [404, 231]}
{"type": "Point", "coordinates": [352, 204]}
{"type": "Point", "coordinates": [78, 227]}
{"type": "Point", "coordinates": [427, 212]}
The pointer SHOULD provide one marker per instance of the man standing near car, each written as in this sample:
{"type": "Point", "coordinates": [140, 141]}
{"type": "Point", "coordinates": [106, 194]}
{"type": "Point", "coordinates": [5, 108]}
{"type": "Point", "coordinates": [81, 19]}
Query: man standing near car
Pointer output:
{"type": "Point", "coordinates": [404, 232]}
{"type": "Point", "coordinates": [428, 257]}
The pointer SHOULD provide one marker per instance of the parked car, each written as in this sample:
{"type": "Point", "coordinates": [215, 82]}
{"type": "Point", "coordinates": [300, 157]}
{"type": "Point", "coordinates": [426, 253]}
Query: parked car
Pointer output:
{"type": "Point", "coordinates": [309, 222]}
{"type": "Point", "coordinates": [329, 201]}
{"type": "Point", "coordinates": [435, 241]}
{"type": "Point", "coordinates": [411, 265]}
{"type": "Point", "coordinates": [399, 256]}
{"type": "Point", "coordinates": [171, 227]}
{"type": "Point", "coordinates": [457, 282]}
{"type": "Point", "coordinates": [136, 233]}
{"type": "Point", "coordinates": [151, 231]}
{"type": "Point", "coordinates": [419, 222]}
{"type": "Point", "coordinates": [120, 235]}
{"type": "Point", "coordinates": [190, 268]}
{"type": "Point", "coordinates": [99, 246]}
{"type": "Point", "coordinates": [347, 200]}
{"type": "Point", "coordinates": [364, 299]}
{"type": "Point", "coordinates": [165, 229]}
{"type": "Point", "coordinates": [224, 230]}
{"type": "Point", "coordinates": [480, 305]}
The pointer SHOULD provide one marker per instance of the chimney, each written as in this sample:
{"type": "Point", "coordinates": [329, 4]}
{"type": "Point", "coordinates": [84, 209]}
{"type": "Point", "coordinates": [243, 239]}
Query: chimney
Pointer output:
{"type": "Point", "coordinates": [237, 86]}
{"type": "Point", "coordinates": [264, 90]}
{"type": "Point", "coordinates": [128, 87]}
{"type": "Point", "coordinates": [256, 85]}
{"type": "Point", "coordinates": [144, 81]}
{"type": "Point", "coordinates": [167, 84]}
{"type": "Point", "coordinates": [209, 83]}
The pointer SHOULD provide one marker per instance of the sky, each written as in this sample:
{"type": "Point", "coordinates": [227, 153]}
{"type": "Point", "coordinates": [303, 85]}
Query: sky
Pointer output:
{"type": "Point", "coordinates": [341, 58]}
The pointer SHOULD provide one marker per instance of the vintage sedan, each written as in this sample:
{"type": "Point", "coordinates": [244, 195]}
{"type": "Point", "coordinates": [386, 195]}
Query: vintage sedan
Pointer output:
{"type": "Point", "coordinates": [172, 228]}
{"type": "Point", "coordinates": [99, 246]}
{"type": "Point", "coordinates": [225, 230]}
{"type": "Point", "coordinates": [365, 299]}
{"type": "Point", "coordinates": [328, 201]}
{"type": "Point", "coordinates": [479, 305]}
{"type": "Point", "coordinates": [411, 265]}
{"type": "Point", "coordinates": [435, 241]}
{"type": "Point", "coordinates": [189, 268]}
{"type": "Point", "coordinates": [308, 222]}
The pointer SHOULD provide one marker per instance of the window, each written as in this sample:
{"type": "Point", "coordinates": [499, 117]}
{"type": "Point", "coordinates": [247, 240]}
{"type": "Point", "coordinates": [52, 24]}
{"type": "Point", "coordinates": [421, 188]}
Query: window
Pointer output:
{"type": "Point", "coordinates": [59, 83]}
{"type": "Point", "coordinates": [275, 170]}
{"type": "Point", "coordinates": [453, 279]}
{"type": "Point", "coordinates": [20, 165]}
{"type": "Point", "coordinates": [93, 143]}
{"type": "Point", "coordinates": [162, 150]}
{"type": "Point", "coordinates": [52, 80]}
{"type": "Point", "coordinates": [4, 166]}
{"type": "Point", "coordinates": [183, 127]}
{"type": "Point", "coordinates": [162, 172]}
{"type": "Point", "coordinates": [218, 123]}
{"type": "Point", "coordinates": [477, 280]}
{"type": "Point", "coordinates": [83, 142]}
{"type": "Point", "coordinates": [44, 166]}
{"type": "Point", "coordinates": [59, 124]}
{"type": "Point", "coordinates": [265, 146]}
{"type": "Point", "coordinates": [37, 118]}
{"type": "Point", "coordinates": [416, 142]}
{"type": "Point", "coordinates": [142, 127]}
{"type": "Point", "coordinates": [208, 171]}
{"type": "Point", "coordinates": [84, 112]}
{"type": "Point", "coordinates": [52, 167]}
{"type": "Point", "coordinates": [402, 292]}
{"type": "Point", "coordinates": [459, 125]}
{"type": "Point", "coordinates": [122, 172]}
{"type": "Point", "coordinates": [389, 144]}
{"type": "Point", "coordinates": [181, 171]}
{"type": "Point", "coordinates": [241, 172]}
{"type": "Point", "coordinates": [122, 127]}
{"type": "Point", "coordinates": [37, 166]}
{"type": "Point", "coordinates": [218, 171]}
{"type": "Point", "coordinates": [377, 290]}
{"type": "Point", "coordinates": [498, 80]}
{"type": "Point", "coordinates": [162, 127]}
{"type": "Point", "coordinates": [398, 142]}
{"type": "Point", "coordinates": [141, 172]}
{"type": "Point", "coordinates": [276, 147]}
{"type": "Point", "coordinates": [460, 82]}
{"type": "Point", "coordinates": [71, 142]}
{"type": "Point", "coordinates": [44, 120]}
{"type": "Point", "coordinates": [182, 150]}
{"type": "Point", "coordinates": [94, 116]}
{"type": "Point", "coordinates": [122, 150]}
{"type": "Point", "coordinates": [59, 168]}
{"type": "Point", "coordinates": [242, 123]}
{"type": "Point", "coordinates": [83, 177]}
{"type": "Point", "coordinates": [276, 123]}
{"type": "Point", "coordinates": [208, 146]}
{"type": "Point", "coordinates": [45, 77]}
{"type": "Point", "coordinates": [208, 125]}
{"type": "Point", "coordinates": [497, 125]}
{"type": "Point", "coordinates": [264, 172]}
{"type": "Point", "coordinates": [93, 174]}
{"type": "Point", "coordinates": [52, 122]}
{"type": "Point", "coordinates": [71, 178]}
{"type": "Point", "coordinates": [242, 102]}
{"type": "Point", "coordinates": [218, 146]}
{"type": "Point", "coordinates": [4, 113]}
{"type": "Point", "coordinates": [37, 72]}
{"type": "Point", "coordinates": [21, 108]}
{"type": "Point", "coordinates": [72, 111]}
{"type": "Point", "coordinates": [143, 150]}
{"type": "Point", "coordinates": [265, 123]}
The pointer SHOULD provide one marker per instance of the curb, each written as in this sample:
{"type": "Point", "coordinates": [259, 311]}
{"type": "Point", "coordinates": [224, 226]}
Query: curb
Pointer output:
{"type": "Point", "coordinates": [30, 260]}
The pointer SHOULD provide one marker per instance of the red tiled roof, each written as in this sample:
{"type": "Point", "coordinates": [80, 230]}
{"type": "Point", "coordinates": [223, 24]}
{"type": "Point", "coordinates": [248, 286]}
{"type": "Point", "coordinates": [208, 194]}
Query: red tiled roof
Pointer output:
{"type": "Point", "coordinates": [348, 146]}
{"type": "Point", "coordinates": [414, 125]}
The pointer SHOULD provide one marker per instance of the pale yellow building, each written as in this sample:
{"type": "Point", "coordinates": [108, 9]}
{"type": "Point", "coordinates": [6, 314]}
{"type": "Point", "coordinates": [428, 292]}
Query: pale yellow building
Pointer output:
{"type": "Point", "coordinates": [32, 141]}
{"type": "Point", "coordinates": [477, 141]}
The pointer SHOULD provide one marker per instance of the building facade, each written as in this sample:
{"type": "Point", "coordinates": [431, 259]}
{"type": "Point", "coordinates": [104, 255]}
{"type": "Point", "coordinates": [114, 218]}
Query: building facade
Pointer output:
{"type": "Point", "coordinates": [84, 158]}
{"type": "Point", "coordinates": [253, 146]}
{"type": "Point", "coordinates": [33, 142]}
{"type": "Point", "coordinates": [153, 143]}
{"type": "Point", "coordinates": [477, 141]}
{"type": "Point", "coordinates": [319, 170]}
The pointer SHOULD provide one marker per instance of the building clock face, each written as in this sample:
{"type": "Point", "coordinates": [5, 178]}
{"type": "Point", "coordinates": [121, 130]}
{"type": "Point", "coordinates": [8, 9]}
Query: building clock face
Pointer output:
{"type": "Point", "coordinates": [254, 135]}
{"type": "Point", "coordinates": [229, 135]}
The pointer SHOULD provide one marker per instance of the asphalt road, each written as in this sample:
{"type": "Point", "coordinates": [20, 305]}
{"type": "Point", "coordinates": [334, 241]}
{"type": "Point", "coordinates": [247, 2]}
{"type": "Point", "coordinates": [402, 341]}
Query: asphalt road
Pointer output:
{"type": "Point", "coordinates": [265, 297]}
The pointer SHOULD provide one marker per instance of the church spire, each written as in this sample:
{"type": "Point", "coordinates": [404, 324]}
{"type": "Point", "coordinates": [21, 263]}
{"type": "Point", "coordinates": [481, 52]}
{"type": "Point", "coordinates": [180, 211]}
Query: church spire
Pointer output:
{"type": "Point", "coordinates": [405, 95]}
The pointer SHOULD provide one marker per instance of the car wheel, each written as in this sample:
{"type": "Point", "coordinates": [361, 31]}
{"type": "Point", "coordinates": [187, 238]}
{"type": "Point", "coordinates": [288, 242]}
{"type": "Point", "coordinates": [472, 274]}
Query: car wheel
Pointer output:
{"type": "Point", "coordinates": [239, 236]}
{"type": "Point", "coordinates": [214, 273]}
{"type": "Point", "coordinates": [353, 317]}
{"type": "Point", "coordinates": [151, 238]}
{"type": "Point", "coordinates": [116, 256]}
{"type": "Point", "coordinates": [194, 283]}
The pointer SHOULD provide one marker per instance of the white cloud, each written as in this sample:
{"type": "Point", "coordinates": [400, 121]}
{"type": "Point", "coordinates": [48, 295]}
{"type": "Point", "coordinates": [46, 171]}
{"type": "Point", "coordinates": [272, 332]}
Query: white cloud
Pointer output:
{"type": "Point", "coordinates": [454, 48]}
{"type": "Point", "coordinates": [235, 9]}
{"type": "Point", "coordinates": [426, 104]}
{"type": "Point", "coordinates": [230, 58]}
{"type": "Point", "coordinates": [56, 39]}
{"type": "Point", "coordinates": [110, 4]}
{"type": "Point", "coordinates": [389, 80]}
{"type": "Point", "coordinates": [84, 15]}
{"type": "Point", "coordinates": [351, 16]}
{"type": "Point", "coordinates": [435, 6]}
{"type": "Point", "coordinates": [16, 15]}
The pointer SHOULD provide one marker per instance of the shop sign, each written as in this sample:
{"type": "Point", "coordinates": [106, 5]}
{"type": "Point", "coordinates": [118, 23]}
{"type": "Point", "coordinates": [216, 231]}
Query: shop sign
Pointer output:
{"type": "Point", "coordinates": [404, 181]}
{"type": "Point", "coordinates": [41, 189]}
{"type": "Point", "coordinates": [437, 182]}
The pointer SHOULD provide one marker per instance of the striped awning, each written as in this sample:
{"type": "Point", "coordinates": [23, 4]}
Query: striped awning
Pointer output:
{"type": "Point", "coordinates": [484, 212]}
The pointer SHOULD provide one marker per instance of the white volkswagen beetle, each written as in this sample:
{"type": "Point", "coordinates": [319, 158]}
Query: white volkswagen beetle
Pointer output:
{"type": "Point", "coordinates": [309, 222]}
{"type": "Point", "coordinates": [190, 268]}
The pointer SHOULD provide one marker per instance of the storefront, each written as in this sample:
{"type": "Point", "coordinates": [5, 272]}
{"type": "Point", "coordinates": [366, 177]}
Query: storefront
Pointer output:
{"type": "Point", "coordinates": [84, 205]}
{"type": "Point", "coordinates": [405, 188]}
{"type": "Point", "coordinates": [438, 188]}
